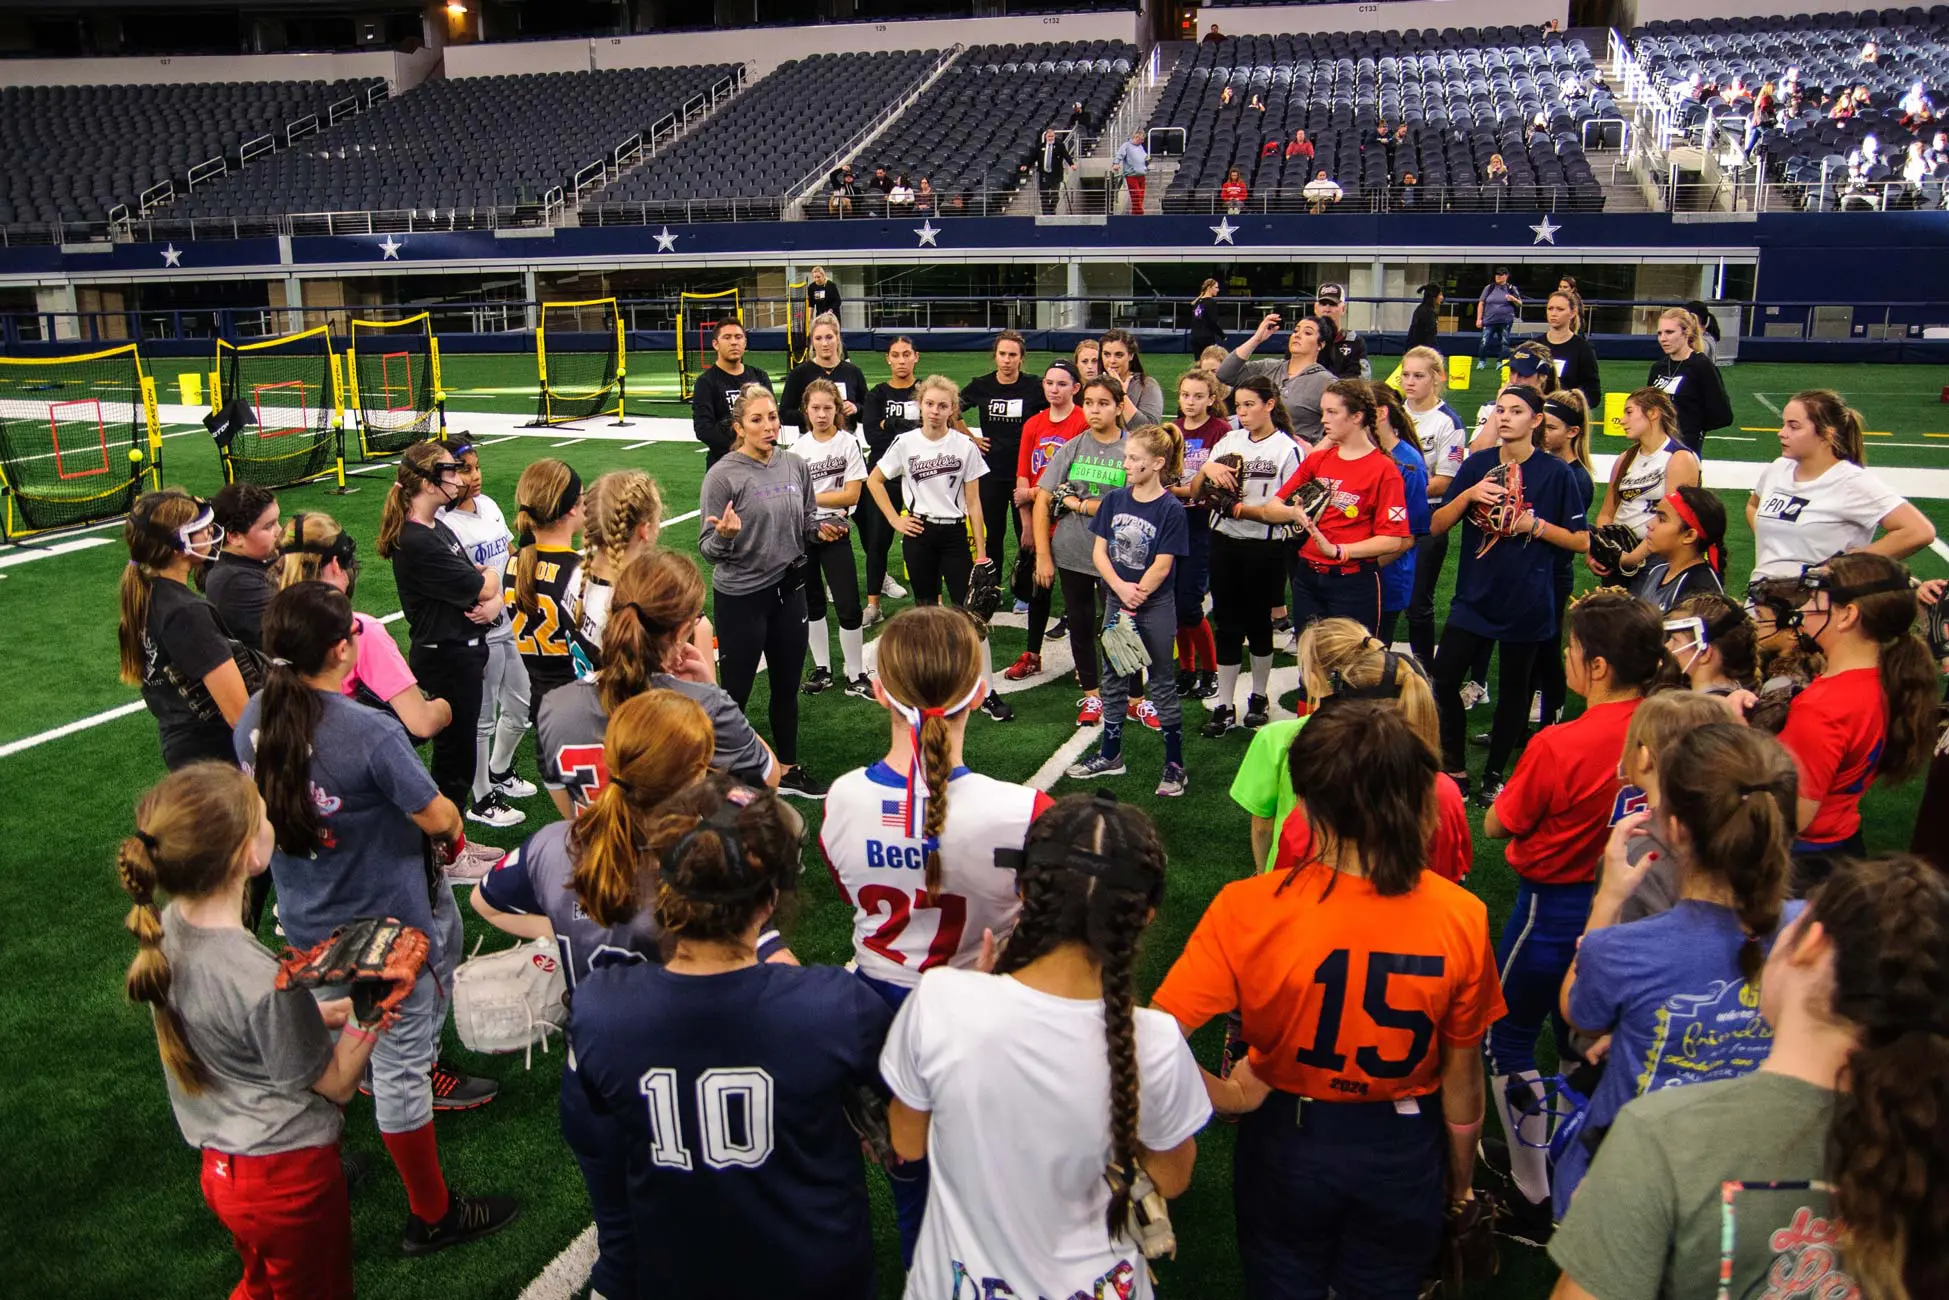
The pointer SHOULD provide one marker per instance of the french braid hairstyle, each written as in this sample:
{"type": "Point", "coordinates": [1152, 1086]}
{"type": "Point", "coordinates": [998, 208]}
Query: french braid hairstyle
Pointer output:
{"type": "Point", "coordinates": [1887, 1147]}
{"type": "Point", "coordinates": [930, 661]}
{"type": "Point", "coordinates": [1106, 912]}
{"type": "Point", "coordinates": [1734, 790]}
{"type": "Point", "coordinates": [192, 830]}
{"type": "Point", "coordinates": [656, 744]}
{"type": "Point", "coordinates": [619, 503]}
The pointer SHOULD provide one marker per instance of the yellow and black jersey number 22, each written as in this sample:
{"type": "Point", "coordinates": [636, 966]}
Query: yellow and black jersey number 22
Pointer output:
{"type": "Point", "coordinates": [547, 638]}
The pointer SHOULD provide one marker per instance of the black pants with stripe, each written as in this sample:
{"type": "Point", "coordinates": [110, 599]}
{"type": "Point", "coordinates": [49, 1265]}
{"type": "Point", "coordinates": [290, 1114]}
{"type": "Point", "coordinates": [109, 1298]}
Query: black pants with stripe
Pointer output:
{"type": "Point", "coordinates": [939, 556]}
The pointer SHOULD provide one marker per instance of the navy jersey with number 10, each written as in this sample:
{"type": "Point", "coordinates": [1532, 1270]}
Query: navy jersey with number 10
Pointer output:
{"type": "Point", "coordinates": [745, 1179]}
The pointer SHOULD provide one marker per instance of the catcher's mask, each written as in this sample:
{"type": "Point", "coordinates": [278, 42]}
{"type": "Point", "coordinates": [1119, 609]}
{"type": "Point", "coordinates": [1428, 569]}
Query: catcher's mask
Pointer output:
{"type": "Point", "coordinates": [1126, 876]}
{"type": "Point", "coordinates": [747, 882]}
{"type": "Point", "coordinates": [180, 539]}
{"type": "Point", "coordinates": [1786, 599]}
{"type": "Point", "coordinates": [344, 548]}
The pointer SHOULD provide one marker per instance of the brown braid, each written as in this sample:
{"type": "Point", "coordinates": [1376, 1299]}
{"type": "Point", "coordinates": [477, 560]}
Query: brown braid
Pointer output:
{"type": "Point", "coordinates": [929, 658]}
{"type": "Point", "coordinates": [619, 502]}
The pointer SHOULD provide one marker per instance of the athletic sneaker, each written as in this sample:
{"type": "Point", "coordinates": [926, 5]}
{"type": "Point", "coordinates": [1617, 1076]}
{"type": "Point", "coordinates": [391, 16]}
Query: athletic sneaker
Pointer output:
{"type": "Point", "coordinates": [1258, 710]}
{"type": "Point", "coordinates": [819, 680]}
{"type": "Point", "coordinates": [1059, 628]}
{"type": "Point", "coordinates": [492, 810]}
{"type": "Point", "coordinates": [509, 786]}
{"type": "Point", "coordinates": [1536, 709]}
{"type": "Point", "coordinates": [1021, 607]}
{"type": "Point", "coordinates": [1097, 766]}
{"type": "Point", "coordinates": [1146, 713]}
{"type": "Point", "coordinates": [1090, 711]}
{"type": "Point", "coordinates": [1474, 695]}
{"type": "Point", "coordinates": [453, 1090]}
{"type": "Point", "coordinates": [473, 864]}
{"type": "Point", "coordinates": [870, 615]}
{"type": "Point", "coordinates": [861, 686]}
{"type": "Point", "coordinates": [1527, 1221]}
{"type": "Point", "coordinates": [1186, 680]}
{"type": "Point", "coordinates": [997, 708]}
{"type": "Point", "coordinates": [1028, 664]}
{"type": "Point", "coordinates": [891, 589]}
{"type": "Point", "coordinates": [1485, 794]}
{"type": "Point", "coordinates": [801, 784]}
{"type": "Point", "coordinates": [1205, 687]}
{"type": "Point", "coordinates": [1174, 781]}
{"type": "Point", "coordinates": [1284, 623]}
{"type": "Point", "coordinates": [468, 1218]}
{"type": "Point", "coordinates": [1222, 719]}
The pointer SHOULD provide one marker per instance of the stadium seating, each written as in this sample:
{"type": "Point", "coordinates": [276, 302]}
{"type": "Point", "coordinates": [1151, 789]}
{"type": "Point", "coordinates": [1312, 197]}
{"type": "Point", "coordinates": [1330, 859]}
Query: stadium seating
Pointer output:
{"type": "Point", "coordinates": [1820, 157]}
{"type": "Point", "coordinates": [72, 153]}
{"type": "Point", "coordinates": [975, 130]}
{"type": "Point", "coordinates": [750, 153]}
{"type": "Point", "coordinates": [1464, 94]}
{"type": "Point", "coordinates": [461, 145]}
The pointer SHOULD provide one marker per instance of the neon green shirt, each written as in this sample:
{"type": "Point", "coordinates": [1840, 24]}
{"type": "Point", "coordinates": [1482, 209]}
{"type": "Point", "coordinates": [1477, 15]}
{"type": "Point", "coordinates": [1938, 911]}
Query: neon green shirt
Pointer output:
{"type": "Point", "coordinates": [1263, 786]}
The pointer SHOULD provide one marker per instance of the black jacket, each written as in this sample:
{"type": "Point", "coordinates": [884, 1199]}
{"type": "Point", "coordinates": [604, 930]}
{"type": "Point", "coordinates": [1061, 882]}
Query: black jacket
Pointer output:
{"type": "Point", "coordinates": [1697, 391]}
{"type": "Point", "coordinates": [1423, 329]}
{"type": "Point", "coordinates": [1205, 329]}
{"type": "Point", "coordinates": [710, 406]}
{"type": "Point", "coordinates": [1578, 361]}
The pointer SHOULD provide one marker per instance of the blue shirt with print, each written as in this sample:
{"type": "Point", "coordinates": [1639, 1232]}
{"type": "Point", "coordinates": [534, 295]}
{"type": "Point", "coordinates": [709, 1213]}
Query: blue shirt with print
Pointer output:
{"type": "Point", "coordinates": [1139, 531]}
{"type": "Point", "coordinates": [1506, 593]}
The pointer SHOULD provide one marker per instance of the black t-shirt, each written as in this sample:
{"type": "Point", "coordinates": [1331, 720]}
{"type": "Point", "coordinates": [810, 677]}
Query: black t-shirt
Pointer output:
{"type": "Point", "coordinates": [1577, 368]}
{"type": "Point", "coordinates": [845, 376]}
{"type": "Point", "coordinates": [1696, 391]}
{"type": "Point", "coordinates": [437, 584]}
{"type": "Point", "coordinates": [1424, 328]}
{"type": "Point", "coordinates": [1345, 355]}
{"type": "Point", "coordinates": [548, 637]}
{"type": "Point", "coordinates": [182, 643]}
{"type": "Point", "coordinates": [823, 298]}
{"type": "Point", "coordinates": [711, 398]}
{"type": "Point", "coordinates": [1001, 410]}
{"type": "Point", "coordinates": [887, 413]}
{"type": "Point", "coordinates": [241, 588]}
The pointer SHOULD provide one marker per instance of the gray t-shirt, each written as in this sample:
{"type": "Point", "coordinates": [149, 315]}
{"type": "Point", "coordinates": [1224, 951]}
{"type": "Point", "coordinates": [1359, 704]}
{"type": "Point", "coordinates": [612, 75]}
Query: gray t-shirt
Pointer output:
{"type": "Point", "coordinates": [1301, 393]}
{"type": "Point", "coordinates": [568, 736]}
{"type": "Point", "coordinates": [263, 1048]}
{"type": "Point", "coordinates": [1662, 883]}
{"type": "Point", "coordinates": [1096, 468]}
{"type": "Point", "coordinates": [367, 783]}
{"type": "Point", "coordinates": [777, 513]}
{"type": "Point", "coordinates": [1649, 1221]}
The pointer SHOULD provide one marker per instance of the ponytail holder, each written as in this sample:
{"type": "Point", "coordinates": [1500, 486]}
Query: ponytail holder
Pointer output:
{"type": "Point", "coordinates": [280, 663]}
{"type": "Point", "coordinates": [1747, 791]}
{"type": "Point", "coordinates": [655, 627]}
{"type": "Point", "coordinates": [622, 785]}
{"type": "Point", "coordinates": [524, 539]}
{"type": "Point", "coordinates": [914, 717]}
{"type": "Point", "coordinates": [148, 841]}
{"type": "Point", "coordinates": [1714, 553]}
{"type": "Point", "coordinates": [934, 713]}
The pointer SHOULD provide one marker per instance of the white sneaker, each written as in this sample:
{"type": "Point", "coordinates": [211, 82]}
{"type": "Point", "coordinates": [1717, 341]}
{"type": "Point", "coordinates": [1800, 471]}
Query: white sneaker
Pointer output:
{"type": "Point", "coordinates": [493, 810]}
{"type": "Point", "coordinates": [892, 590]}
{"type": "Point", "coordinates": [474, 862]}
{"type": "Point", "coordinates": [1474, 695]}
{"type": "Point", "coordinates": [510, 786]}
{"type": "Point", "coordinates": [1536, 708]}
{"type": "Point", "coordinates": [870, 615]}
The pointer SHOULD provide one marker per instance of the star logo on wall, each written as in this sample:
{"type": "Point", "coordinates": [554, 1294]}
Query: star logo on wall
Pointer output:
{"type": "Point", "coordinates": [665, 241]}
{"type": "Point", "coordinates": [1223, 232]}
{"type": "Point", "coordinates": [389, 250]}
{"type": "Point", "coordinates": [172, 256]}
{"type": "Point", "coordinates": [1545, 231]}
{"type": "Point", "coordinates": [927, 230]}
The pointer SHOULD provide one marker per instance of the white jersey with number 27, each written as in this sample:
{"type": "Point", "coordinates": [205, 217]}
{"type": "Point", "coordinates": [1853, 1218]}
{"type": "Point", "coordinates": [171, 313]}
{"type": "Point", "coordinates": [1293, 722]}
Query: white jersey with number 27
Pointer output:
{"type": "Point", "coordinates": [881, 870]}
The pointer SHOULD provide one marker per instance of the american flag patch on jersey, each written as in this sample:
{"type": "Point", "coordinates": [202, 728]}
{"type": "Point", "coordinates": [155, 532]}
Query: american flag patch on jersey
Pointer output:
{"type": "Point", "coordinates": [893, 814]}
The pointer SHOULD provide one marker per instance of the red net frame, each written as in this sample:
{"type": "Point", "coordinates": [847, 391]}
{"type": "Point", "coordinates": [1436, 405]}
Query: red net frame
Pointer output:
{"type": "Point", "coordinates": [265, 429]}
{"type": "Point", "coordinates": [387, 387]}
{"type": "Point", "coordinates": [95, 419]}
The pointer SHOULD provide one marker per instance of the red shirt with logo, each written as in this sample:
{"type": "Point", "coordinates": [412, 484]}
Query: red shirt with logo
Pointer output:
{"type": "Point", "coordinates": [1041, 437]}
{"type": "Point", "coordinates": [1450, 853]}
{"type": "Point", "coordinates": [1835, 731]}
{"type": "Point", "coordinates": [1368, 498]}
{"type": "Point", "coordinates": [1563, 797]}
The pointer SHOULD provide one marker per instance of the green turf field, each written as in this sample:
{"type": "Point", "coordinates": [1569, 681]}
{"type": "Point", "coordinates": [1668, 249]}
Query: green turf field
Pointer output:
{"type": "Point", "coordinates": [103, 1198]}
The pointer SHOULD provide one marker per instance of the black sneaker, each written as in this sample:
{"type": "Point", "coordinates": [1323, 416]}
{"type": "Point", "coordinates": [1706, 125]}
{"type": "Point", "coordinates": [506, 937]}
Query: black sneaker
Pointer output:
{"type": "Point", "coordinates": [468, 1218]}
{"type": "Point", "coordinates": [1480, 739]}
{"type": "Point", "coordinates": [1205, 686]}
{"type": "Point", "coordinates": [820, 679]}
{"type": "Point", "coordinates": [997, 708]}
{"type": "Point", "coordinates": [1461, 780]}
{"type": "Point", "coordinates": [1060, 628]}
{"type": "Point", "coordinates": [801, 784]}
{"type": "Point", "coordinates": [1284, 623]}
{"type": "Point", "coordinates": [1258, 710]}
{"type": "Point", "coordinates": [1485, 794]}
{"type": "Point", "coordinates": [1222, 720]}
{"type": "Point", "coordinates": [1186, 680]}
{"type": "Point", "coordinates": [861, 686]}
{"type": "Point", "coordinates": [1526, 1221]}
{"type": "Point", "coordinates": [453, 1090]}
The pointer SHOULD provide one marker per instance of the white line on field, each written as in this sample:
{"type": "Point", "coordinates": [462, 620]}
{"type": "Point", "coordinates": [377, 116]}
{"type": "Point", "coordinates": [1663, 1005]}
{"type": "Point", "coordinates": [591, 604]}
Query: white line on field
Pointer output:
{"type": "Point", "coordinates": [567, 1272]}
{"type": "Point", "coordinates": [28, 556]}
{"type": "Point", "coordinates": [68, 729]}
{"type": "Point", "coordinates": [1767, 402]}
{"type": "Point", "coordinates": [1940, 547]}
{"type": "Point", "coordinates": [570, 442]}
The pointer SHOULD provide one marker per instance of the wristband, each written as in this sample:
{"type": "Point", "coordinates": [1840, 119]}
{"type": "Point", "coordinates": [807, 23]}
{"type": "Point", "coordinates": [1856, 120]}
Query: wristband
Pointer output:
{"type": "Point", "coordinates": [358, 1034]}
{"type": "Point", "coordinates": [1474, 1125]}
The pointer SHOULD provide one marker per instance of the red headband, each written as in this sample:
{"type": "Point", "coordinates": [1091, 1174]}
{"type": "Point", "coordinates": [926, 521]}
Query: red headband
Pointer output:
{"type": "Point", "coordinates": [1713, 555]}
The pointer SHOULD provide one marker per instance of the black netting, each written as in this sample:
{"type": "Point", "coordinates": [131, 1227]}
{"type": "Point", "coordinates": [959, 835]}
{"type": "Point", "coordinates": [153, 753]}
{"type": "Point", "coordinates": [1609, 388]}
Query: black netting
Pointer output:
{"type": "Point", "coordinates": [67, 426]}
{"type": "Point", "coordinates": [393, 371]}
{"type": "Point", "coordinates": [581, 361]}
{"type": "Point", "coordinates": [285, 393]}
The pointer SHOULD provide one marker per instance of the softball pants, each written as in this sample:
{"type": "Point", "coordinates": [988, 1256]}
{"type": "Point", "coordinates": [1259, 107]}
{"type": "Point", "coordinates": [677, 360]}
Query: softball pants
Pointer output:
{"type": "Point", "coordinates": [290, 1218]}
{"type": "Point", "coordinates": [833, 569]}
{"type": "Point", "coordinates": [1157, 625]}
{"type": "Point", "coordinates": [997, 492]}
{"type": "Point", "coordinates": [876, 536]}
{"type": "Point", "coordinates": [1336, 594]}
{"type": "Point", "coordinates": [1428, 557]}
{"type": "Point", "coordinates": [766, 624]}
{"type": "Point", "coordinates": [1191, 577]}
{"type": "Point", "coordinates": [1550, 682]}
{"type": "Point", "coordinates": [455, 672]}
{"type": "Point", "coordinates": [503, 713]}
{"type": "Point", "coordinates": [601, 1148]}
{"type": "Point", "coordinates": [401, 1069]}
{"type": "Point", "coordinates": [1516, 661]}
{"type": "Point", "coordinates": [1081, 598]}
{"type": "Point", "coordinates": [938, 557]}
{"type": "Point", "coordinates": [1248, 577]}
{"type": "Point", "coordinates": [1340, 1197]}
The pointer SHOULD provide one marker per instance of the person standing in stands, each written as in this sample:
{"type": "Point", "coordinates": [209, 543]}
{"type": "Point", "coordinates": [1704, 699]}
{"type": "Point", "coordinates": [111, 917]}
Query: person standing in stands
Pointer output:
{"type": "Point", "coordinates": [891, 409]}
{"type": "Point", "coordinates": [1576, 360]}
{"type": "Point", "coordinates": [1133, 160]}
{"type": "Point", "coordinates": [1495, 316]}
{"type": "Point", "coordinates": [716, 391]}
{"type": "Point", "coordinates": [1002, 400]}
{"type": "Point", "coordinates": [1688, 376]}
{"type": "Point", "coordinates": [240, 584]}
{"type": "Point", "coordinates": [827, 361]}
{"type": "Point", "coordinates": [1424, 328]}
{"type": "Point", "coordinates": [821, 299]}
{"type": "Point", "coordinates": [1346, 355]}
{"type": "Point", "coordinates": [1052, 159]}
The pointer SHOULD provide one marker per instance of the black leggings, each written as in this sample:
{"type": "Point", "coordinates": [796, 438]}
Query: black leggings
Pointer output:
{"type": "Point", "coordinates": [832, 566]}
{"type": "Point", "coordinates": [1549, 681]}
{"type": "Point", "coordinates": [767, 624]}
{"type": "Point", "coordinates": [1247, 579]}
{"type": "Point", "coordinates": [453, 673]}
{"type": "Point", "coordinates": [1080, 596]}
{"type": "Point", "coordinates": [876, 536]}
{"type": "Point", "coordinates": [1516, 661]}
{"type": "Point", "coordinates": [997, 492]}
{"type": "Point", "coordinates": [938, 556]}
{"type": "Point", "coordinates": [1428, 556]}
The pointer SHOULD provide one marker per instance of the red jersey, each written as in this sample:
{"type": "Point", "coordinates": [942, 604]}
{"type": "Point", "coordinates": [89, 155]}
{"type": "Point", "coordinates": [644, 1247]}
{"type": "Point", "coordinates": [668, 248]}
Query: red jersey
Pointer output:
{"type": "Point", "coordinates": [1041, 437]}
{"type": "Point", "coordinates": [1368, 498]}
{"type": "Point", "coordinates": [1563, 798]}
{"type": "Point", "coordinates": [1450, 855]}
{"type": "Point", "coordinates": [1835, 730]}
{"type": "Point", "coordinates": [1341, 991]}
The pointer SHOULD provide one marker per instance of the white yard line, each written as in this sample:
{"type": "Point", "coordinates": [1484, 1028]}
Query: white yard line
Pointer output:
{"type": "Point", "coordinates": [571, 442]}
{"type": "Point", "coordinates": [69, 729]}
{"type": "Point", "coordinates": [29, 555]}
{"type": "Point", "coordinates": [567, 1273]}
{"type": "Point", "coordinates": [1767, 402]}
{"type": "Point", "coordinates": [1940, 547]}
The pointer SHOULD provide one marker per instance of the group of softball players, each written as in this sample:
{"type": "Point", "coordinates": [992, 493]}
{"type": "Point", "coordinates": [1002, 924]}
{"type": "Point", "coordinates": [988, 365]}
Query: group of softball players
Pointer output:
{"type": "Point", "coordinates": [1697, 821]}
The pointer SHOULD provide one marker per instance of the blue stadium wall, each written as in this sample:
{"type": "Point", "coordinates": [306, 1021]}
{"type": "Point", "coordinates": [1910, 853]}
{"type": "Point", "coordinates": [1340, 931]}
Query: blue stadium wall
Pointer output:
{"type": "Point", "coordinates": [1801, 259]}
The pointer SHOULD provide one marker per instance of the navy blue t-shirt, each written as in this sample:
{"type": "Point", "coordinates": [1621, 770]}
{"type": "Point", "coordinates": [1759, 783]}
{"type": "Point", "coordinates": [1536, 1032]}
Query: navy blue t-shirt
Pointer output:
{"type": "Point", "coordinates": [1397, 578]}
{"type": "Point", "coordinates": [1509, 594]}
{"type": "Point", "coordinates": [1584, 491]}
{"type": "Point", "coordinates": [1140, 531]}
{"type": "Point", "coordinates": [745, 1180]}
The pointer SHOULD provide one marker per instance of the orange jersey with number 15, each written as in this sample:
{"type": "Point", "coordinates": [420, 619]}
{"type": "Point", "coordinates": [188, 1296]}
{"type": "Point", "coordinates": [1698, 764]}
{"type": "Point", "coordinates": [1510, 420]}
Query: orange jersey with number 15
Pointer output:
{"type": "Point", "coordinates": [1344, 994]}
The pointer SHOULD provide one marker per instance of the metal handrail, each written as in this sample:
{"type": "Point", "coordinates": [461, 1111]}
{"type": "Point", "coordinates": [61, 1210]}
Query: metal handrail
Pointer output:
{"type": "Point", "coordinates": [801, 190]}
{"type": "Point", "coordinates": [344, 108]}
{"type": "Point", "coordinates": [298, 130]}
{"type": "Point", "coordinates": [250, 149]}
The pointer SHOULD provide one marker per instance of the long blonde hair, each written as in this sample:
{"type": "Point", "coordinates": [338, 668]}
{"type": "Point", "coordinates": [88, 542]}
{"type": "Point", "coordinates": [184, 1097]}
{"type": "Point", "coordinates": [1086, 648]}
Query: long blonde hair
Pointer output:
{"type": "Point", "coordinates": [930, 660]}
{"type": "Point", "coordinates": [1337, 651]}
{"type": "Point", "coordinates": [303, 547]}
{"type": "Point", "coordinates": [1694, 333]}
